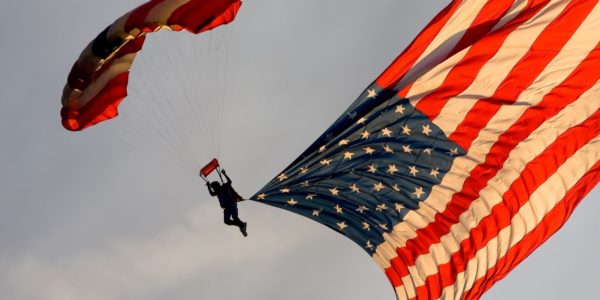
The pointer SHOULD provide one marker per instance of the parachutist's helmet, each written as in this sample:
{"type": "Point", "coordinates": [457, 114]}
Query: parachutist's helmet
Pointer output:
{"type": "Point", "coordinates": [215, 185]}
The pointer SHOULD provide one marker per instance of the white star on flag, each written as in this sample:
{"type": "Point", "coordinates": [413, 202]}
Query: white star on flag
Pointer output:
{"type": "Point", "coordinates": [325, 162]}
{"type": "Point", "coordinates": [400, 109]}
{"type": "Point", "coordinates": [334, 191]}
{"type": "Point", "coordinates": [426, 130]}
{"type": "Point", "coordinates": [388, 149]}
{"type": "Point", "coordinates": [386, 132]}
{"type": "Point", "coordinates": [361, 209]}
{"type": "Point", "coordinates": [418, 192]}
{"type": "Point", "coordinates": [435, 172]}
{"type": "Point", "coordinates": [378, 187]}
{"type": "Point", "coordinates": [381, 207]}
{"type": "Point", "coordinates": [398, 207]}
{"type": "Point", "coordinates": [454, 151]}
{"type": "Point", "coordinates": [413, 171]}
{"type": "Point", "coordinates": [348, 155]}
{"type": "Point", "coordinates": [366, 226]}
{"type": "Point", "coordinates": [372, 168]}
{"type": "Point", "coordinates": [371, 93]}
{"type": "Point", "coordinates": [282, 177]}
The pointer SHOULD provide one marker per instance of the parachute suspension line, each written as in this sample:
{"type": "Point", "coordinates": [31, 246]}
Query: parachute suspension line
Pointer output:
{"type": "Point", "coordinates": [175, 62]}
{"type": "Point", "coordinates": [170, 145]}
{"type": "Point", "coordinates": [193, 70]}
{"type": "Point", "coordinates": [181, 124]}
{"type": "Point", "coordinates": [175, 110]}
{"type": "Point", "coordinates": [210, 79]}
{"type": "Point", "coordinates": [219, 59]}
{"type": "Point", "coordinates": [204, 178]}
{"type": "Point", "coordinates": [196, 114]}
{"type": "Point", "coordinates": [124, 125]}
{"type": "Point", "coordinates": [224, 84]}
{"type": "Point", "coordinates": [171, 135]}
{"type": "Point", "coordinates": [219, 172]}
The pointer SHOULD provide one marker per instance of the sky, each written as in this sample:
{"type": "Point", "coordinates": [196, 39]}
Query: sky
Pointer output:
{"type": "Point", "coordinates": [117, 212]}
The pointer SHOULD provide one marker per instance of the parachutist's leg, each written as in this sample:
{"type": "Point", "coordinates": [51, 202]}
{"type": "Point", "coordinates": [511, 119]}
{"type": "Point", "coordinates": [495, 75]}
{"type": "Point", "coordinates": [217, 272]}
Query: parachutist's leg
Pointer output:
{"type": "Point", "coordinates": [227, 213]}
{"type": "Point", "coordinates": [234, 216]}
{"type": "Point", "coordinates": [233, 213]}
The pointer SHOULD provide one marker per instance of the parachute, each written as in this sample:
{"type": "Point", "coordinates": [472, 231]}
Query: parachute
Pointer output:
{"type": "Point", "coordinates": [471, 149]}
{"type": "Point", "coordinates": [98, 80]}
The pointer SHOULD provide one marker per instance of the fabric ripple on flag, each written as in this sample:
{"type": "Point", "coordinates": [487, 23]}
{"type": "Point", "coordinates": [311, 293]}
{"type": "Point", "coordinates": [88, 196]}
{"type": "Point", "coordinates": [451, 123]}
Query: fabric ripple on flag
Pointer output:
{"type": "Point", "coordinates": [468, 152]}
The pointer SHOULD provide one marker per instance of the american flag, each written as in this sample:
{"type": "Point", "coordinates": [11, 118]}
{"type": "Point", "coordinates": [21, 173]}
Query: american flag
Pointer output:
{"type": "Point", "coordinates": [468, 152]}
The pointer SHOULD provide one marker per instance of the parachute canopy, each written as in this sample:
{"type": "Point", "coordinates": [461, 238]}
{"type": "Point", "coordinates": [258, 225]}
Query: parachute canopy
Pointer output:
{"type": "Point", "coordinates": [97, 82]}
{"type": "Point", "coordinates": [469, 151]}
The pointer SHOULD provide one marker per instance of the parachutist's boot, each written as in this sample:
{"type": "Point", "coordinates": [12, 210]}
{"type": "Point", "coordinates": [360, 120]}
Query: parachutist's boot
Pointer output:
{"type": "Point", "coordinates": [243, 229]}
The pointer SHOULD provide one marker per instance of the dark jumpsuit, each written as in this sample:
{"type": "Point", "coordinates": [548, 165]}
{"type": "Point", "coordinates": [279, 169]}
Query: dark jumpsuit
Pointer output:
{"type": "Point", "coordinates": [228, 201]}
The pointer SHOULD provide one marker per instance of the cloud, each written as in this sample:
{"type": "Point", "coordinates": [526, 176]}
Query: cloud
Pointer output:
{"type": "Point", "coordinates": [135, 267]}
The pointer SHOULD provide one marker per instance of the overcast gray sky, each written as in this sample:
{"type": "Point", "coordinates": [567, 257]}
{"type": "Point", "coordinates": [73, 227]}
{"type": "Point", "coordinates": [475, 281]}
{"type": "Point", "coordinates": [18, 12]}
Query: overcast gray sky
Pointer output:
{"type": "Point", "coordinates": [111, 213]}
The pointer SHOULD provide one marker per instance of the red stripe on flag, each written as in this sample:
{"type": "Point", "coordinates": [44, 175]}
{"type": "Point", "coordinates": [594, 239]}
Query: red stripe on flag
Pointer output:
{"type": "Point", "coordinates": [535, 174]}
{"type": "Point", "coordinates": [580, 80]}
{"type": "Point", "coordinates": [409, 56]}
{"type": "Point", "coordinates": [545, 48]}
{"type": "Point", "coordinates": [553, 221]}
{"type": "Point", "coordinates": [463, 73]}
{"type": "Point", "coordinates": [485, 21]}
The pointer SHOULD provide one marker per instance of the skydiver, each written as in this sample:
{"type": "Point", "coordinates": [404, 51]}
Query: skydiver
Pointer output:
{"type": "Point", "coordinates": [228, 199]}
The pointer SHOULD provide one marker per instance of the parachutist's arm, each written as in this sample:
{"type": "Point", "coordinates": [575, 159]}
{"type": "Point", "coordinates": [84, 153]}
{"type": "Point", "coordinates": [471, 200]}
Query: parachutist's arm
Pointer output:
{"type": "Point", "coordinates": [227, 177]}
{"type": "Point", "coordinates": [210, 190]}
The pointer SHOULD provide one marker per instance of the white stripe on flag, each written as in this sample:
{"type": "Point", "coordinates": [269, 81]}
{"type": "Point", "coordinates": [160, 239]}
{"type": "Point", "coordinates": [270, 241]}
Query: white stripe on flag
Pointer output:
{"type": "Point", "coordinates": [541, 202]}
{"type": "Point", "coordinates": [514, 11]}
{"type": "Point", "coordinates": [445, 41]}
